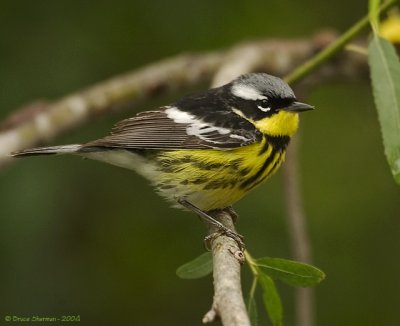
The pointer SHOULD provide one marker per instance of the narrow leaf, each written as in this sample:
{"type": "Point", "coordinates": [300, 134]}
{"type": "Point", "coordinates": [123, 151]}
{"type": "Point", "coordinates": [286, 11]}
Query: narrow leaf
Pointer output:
{"type": "Point", "coordinates": [271, 298]}
{"type": "Point", "coordinates": [385, 75]}
{"type": "Point", "coordinates": [291, 272]}
{"type": "Point", "coordinates": [196, 268]}
{"type": "Point", "coordinates": [373, 13]}
{"type": "Point", "coordinates": [252, 311]}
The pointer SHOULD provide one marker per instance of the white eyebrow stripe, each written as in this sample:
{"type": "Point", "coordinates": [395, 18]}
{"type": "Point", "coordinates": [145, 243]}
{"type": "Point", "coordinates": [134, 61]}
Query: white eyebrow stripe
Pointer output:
{"type": "Point", "coordinates": [247, 92]}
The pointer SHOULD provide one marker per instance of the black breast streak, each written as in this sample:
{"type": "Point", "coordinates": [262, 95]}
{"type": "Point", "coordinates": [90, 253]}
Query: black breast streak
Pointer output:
{"type": "Point", "coordinates": [264, 148]}
{"type": "Point", "coordinates": [274, 167]}
{"type": "Point", "coordinates": [174, 165]}
{"type": "Point", "coordinates": [260, 172]}
{"type": "Point", "coordinates": [278, 142]}
{"type": "Point", "coordinates": [227, 182]}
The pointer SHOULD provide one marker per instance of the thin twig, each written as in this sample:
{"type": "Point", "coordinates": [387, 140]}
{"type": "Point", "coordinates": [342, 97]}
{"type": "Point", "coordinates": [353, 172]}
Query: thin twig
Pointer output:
{"type": "Point", "coordinates": [327, 53]}
{"type": "Point", "coordinates": [300, 241]}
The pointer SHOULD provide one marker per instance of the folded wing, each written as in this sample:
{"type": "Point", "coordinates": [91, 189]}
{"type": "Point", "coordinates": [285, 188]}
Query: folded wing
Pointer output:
{"type": "Point", "coordinates": [171, 128]}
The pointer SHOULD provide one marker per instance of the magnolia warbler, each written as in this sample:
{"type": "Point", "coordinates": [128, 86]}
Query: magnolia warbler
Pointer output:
{"type": "Point", "coordinates": [205, 151]}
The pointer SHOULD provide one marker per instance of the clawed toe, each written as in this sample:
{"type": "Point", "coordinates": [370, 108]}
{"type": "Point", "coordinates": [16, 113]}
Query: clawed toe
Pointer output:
{"type": "Point", "coordinates": [233, 235]}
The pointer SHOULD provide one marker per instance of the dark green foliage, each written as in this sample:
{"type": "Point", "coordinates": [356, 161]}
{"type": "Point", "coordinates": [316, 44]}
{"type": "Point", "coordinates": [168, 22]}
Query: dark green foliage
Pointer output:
{"type": "Point", "coordinates": [290, 272]}
{"type": "Point", "coordinates": [271, 299]}
{"type": "Point", "coordinates": [196, 268]}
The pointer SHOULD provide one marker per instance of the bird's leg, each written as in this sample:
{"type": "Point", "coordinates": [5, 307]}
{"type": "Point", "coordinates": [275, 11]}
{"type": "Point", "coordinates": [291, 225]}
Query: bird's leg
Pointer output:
{"type": "Point", "coordinates": [232, 213]}
{"type": "Point", "coordinates": [209, 219]}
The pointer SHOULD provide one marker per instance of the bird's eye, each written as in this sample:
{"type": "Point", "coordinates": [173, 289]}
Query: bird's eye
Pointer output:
{"type": "Point", "coordinates": [264, 106]}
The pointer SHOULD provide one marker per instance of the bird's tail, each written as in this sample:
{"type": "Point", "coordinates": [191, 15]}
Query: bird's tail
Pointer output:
{"type": "Point", "coordinates": [65, 149]}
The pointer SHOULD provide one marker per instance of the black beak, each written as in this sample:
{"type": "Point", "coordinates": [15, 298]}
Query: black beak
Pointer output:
{"type": "Point", "coordinates": [298, 107]}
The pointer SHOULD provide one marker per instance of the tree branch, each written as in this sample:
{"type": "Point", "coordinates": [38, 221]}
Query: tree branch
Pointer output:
{"type": "Point", "coordinates": [228, 303]}
{"type": "Point", "coordinates": [28, 127]}
{"type": "Point", "coordinates": [34, 124]}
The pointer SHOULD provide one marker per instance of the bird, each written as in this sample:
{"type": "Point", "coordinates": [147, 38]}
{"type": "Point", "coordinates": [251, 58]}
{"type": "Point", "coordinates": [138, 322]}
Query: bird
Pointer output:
{"type": "Point", "coordinates": [205, 151]}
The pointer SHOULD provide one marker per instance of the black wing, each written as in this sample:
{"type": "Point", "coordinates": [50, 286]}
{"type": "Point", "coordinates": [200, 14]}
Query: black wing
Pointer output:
{"type": "Point", "coordinates": [171, 128]}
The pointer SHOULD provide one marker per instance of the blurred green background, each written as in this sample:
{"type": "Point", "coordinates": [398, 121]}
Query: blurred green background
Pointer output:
{"type": "Point", "coordinates": [84, 238]}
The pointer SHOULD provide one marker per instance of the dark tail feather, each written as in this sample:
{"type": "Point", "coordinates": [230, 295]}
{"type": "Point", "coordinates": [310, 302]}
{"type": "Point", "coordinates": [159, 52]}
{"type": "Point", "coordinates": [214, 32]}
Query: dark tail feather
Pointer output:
{"type": "Point", "coordinates": [65, 149]}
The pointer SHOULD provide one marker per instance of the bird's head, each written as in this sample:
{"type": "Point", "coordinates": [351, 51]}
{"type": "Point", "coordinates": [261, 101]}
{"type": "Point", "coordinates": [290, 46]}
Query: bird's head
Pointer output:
{"type": "Point", "coordinates": [268, 102]}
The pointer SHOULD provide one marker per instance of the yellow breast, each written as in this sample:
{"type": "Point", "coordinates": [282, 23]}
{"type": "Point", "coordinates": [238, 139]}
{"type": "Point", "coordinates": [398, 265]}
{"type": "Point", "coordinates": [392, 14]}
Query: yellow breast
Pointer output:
{"type": "Point", "coordinates": [212, 179]}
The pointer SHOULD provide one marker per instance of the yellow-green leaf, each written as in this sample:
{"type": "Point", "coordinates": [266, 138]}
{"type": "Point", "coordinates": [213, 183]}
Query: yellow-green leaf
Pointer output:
{"type": "Point", "coordinates": [385, 75]}
{"type": "Point", "coordinates": [196, 268]}
{"type": "Point", "coordinates": [271, 298]}
{"type": "Point", "coordinates": [291, 272]}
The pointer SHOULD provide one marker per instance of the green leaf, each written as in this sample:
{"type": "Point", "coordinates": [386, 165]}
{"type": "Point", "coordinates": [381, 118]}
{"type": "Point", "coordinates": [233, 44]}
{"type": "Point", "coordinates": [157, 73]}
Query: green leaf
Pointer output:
{"type": "Point", "coordinates": [291, 272]}
{"type": "Point", "coordinates": [385, 75]}
{"type": "Point", "coordinates": [252, 311]}
{"type": "Point", "coordinates": [271, 298]}
{"type": "Point", "coordinates": [196, 268]}
{"type": "Point", "coordinates": [373, 13]}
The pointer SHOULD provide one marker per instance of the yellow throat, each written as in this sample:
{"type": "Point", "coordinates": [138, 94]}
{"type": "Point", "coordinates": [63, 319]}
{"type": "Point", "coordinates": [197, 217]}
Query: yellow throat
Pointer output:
{"type": "Point", "coordinates": [281, 124]}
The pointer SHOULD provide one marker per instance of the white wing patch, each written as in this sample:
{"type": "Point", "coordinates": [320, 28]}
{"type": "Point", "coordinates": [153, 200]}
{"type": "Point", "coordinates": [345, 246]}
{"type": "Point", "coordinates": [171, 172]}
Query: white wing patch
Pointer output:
{"type": "Point", "coordinates": [197, 127]}
{"type": "Point", "coordinates": [179, 116]}
{"type": "Point", "coordinates": [247, 92]}
{"type": "Point", "coordinates": [200, 128]}
{"type": "Point", "coordinates": [240, 137]}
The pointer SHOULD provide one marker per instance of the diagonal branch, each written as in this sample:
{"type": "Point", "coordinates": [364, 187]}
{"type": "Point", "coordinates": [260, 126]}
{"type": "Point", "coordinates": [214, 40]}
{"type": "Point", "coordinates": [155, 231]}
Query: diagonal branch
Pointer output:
{"type": "Point", "coordinates": [37, 124]}
{"type": "Point", "coordinates": [30, 126]}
